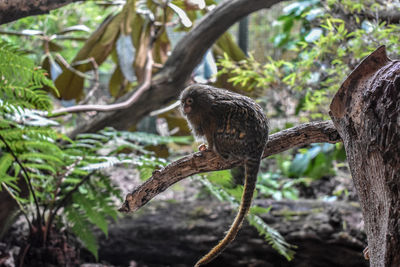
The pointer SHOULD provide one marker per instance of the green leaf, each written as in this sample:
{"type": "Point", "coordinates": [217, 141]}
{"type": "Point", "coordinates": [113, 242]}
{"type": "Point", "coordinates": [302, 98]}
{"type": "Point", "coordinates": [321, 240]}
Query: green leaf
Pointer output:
{"type": "Point", "coordinates": [93, 215]}
{"type": "Point", "coordinates": [222, 178]}
{"type": "Point", "coordinates": [6, 161]}
{"type": "Point", "coordinates": [273, 237]}
{"type": "Point", "coordinates": [80, 228]}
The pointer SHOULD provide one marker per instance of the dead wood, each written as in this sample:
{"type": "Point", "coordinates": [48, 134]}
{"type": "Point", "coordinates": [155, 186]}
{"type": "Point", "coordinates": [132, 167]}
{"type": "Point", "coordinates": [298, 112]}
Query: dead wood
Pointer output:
{"type": "Point", "coordinates": [179, 233]}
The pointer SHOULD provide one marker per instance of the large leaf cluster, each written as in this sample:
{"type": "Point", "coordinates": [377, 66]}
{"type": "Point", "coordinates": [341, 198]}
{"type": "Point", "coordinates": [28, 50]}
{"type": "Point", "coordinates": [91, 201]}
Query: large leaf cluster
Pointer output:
{"type": "Point", "coordinates": [64, 178]}
{"type": "Point", "coordinates": [321, 43]}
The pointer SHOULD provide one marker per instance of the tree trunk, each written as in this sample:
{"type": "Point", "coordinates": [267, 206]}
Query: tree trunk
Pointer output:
{"type": "Point", "coordinates": [177, 234]}
{"type": "Point", "coordinates": [365, 112]}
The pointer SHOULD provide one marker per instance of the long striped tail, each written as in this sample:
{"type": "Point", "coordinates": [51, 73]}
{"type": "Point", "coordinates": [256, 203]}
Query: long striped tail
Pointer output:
{"type": "Point", "coordinates": [251, 170]}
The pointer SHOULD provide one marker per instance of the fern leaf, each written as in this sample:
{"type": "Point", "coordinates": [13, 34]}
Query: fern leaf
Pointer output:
{"type": "Point", "coordinates": [6, 161]}
{"type": "Point", "coordinates": [271, 235]}
{"type": "Point", "coordinates": [43, 167]}
{"type": "Point", "coordinates": [41, 158]}
{"type": "Point", "coordinates": [92, 213]}
{"type": "Point", "coordinates": [80, 228]}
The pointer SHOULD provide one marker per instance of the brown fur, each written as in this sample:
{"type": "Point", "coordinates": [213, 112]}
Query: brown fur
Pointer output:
{"type": "Point", "coordinates": [234, 127]}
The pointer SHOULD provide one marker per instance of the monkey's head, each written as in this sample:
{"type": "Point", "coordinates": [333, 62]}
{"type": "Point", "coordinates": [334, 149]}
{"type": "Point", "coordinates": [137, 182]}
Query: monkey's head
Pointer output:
{"type": "Point", "coordinates": [195, 99]}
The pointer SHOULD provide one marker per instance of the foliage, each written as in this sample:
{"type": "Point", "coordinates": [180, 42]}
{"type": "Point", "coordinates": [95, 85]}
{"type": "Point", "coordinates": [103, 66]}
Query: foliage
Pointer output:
{"type": "Point", "coordinates": [61, 174]}
{"type": "Point", "coordinates": [61, 31]}
{"type": "Point", "coordinates": [217, 184]}
{"type": "Point", "coordinates": [298, 12]}
{"type": "Point", "coordinates": [321, 42]}
{"type": "Point", "coordinates": [30, 149]}
{"type": "Point", "coordinates": [122, 38]}
{"type": "Point", "coordinates": [325, 48]}
{"type": "Point", "coordinates": [272, 184]}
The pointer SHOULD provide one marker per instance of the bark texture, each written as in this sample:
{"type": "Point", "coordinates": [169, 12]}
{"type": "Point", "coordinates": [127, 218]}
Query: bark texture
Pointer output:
{"type": "Point", "coordinates": [307, 133]}
{"type": "Point", "coordinates": [366, 113]}
{"type": "Point", "coordinates": [177, 234]}
{"type": "Point", "coordinates": [11, 10]}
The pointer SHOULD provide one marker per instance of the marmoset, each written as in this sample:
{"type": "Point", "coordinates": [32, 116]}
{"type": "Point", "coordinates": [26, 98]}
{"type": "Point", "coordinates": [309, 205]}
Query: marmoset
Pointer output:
{"type": "Point", "coordinates": [234, 127]}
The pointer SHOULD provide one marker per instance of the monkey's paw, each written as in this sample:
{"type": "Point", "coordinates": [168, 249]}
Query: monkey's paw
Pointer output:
{"type": "Point", "coordinates": [202, 147]}
{"type": "Point", "coordinates": [366, 253]}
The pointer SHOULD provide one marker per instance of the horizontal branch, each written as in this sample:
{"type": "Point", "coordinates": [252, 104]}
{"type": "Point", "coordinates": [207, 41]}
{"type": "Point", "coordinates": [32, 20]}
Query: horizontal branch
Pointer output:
{"type": "Point", "coordinates": [16, 9]}
{"type": "Point", "coordinates": [199, 162]}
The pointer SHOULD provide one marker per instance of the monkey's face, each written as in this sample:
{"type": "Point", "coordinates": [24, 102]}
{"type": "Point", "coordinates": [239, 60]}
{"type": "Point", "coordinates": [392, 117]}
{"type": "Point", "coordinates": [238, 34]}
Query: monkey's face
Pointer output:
{"type": "Point", "coordinates": [189, 101]}
{"type": "Point", "coordinates": [186, 105]}
{"type": "Point", "coordinates": [195, 102]}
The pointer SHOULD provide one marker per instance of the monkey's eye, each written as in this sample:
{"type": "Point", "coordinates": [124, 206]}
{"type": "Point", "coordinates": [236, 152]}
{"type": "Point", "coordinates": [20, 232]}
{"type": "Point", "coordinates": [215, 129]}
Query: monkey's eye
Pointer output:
{"type": "Point", "coordinates": [189, 101]}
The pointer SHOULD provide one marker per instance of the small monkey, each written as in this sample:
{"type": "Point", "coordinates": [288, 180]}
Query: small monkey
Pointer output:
{"type": "Point", "coordinates": [235, 127]}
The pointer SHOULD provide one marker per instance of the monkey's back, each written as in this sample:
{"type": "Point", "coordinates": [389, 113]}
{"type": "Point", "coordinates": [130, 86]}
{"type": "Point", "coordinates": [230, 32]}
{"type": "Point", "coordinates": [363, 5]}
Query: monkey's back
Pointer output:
{"type": "Point", "coordinates": [241, 126]}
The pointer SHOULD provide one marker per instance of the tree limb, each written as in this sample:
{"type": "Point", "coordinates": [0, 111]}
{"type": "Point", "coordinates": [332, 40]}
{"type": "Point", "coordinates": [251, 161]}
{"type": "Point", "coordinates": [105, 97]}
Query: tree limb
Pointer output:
{"type": "Point", "coordinates": [314, 132]}
{"type": "Point", "coordinates": [117, 106]}
{"type": "Point", "coordinates": [11, 10]}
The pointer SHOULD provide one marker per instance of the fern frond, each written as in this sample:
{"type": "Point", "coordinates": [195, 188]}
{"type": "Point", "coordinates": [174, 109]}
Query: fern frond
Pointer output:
{"type": "Point", "coordinates": [270, 235]}
{"type": "Point", "coordinates": [18, 69]}
{"type": "Point", "coordinates": [42, 167]}
{"type": "Point", "coordinates": [93, 214]}
{"type": "Point", "coordinates": [6, 160]}
{"type": "Point", "coordinates": [107, 162]}
{"type": "Point", "coordinates": [80, 229]}
{"type": "Point", "coordinates": [147, 138]}
{"type": "Point", "coordinates": [41, 158]}
{"type": "Point", "coordinates": [28, 96]}
{"type": "Point", "coordinates": [37, 145]}
{"type": "Point", "coordinates": [273, 237]}
{"type": "Point", "coordinates": [26, 116]}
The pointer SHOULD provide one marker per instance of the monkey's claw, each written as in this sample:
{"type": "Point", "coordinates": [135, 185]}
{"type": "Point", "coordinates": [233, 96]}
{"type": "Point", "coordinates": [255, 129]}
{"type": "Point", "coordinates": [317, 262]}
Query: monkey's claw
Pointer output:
{"type": "Point", "coordinates": [366, 253]}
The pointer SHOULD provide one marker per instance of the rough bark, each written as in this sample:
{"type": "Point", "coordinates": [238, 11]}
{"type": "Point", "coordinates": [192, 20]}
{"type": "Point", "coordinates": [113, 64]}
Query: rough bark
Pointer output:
{"type": "Point", "coordinates": [177, 234]}
{"type": "Point", "coordinates": [365, 112]}
{"type": "Point", "coordinates": [11, 10]}
{"type": "Point", "coordinates": [307, 133]}
{"type": "Point", "coordinates": [167, 84]}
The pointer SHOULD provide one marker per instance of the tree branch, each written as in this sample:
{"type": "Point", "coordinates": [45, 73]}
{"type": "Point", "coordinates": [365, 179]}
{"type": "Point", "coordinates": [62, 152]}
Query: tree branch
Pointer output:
{"type": "Point", "coordinates": [314, 132]}
{"type": "Point", "coordinates": [117, 106]}
{"type": "Point", "coordinates": [11, 10]}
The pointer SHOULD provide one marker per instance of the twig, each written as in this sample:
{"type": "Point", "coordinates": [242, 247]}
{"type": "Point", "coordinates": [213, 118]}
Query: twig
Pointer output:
{"type": "Point", "coordinates": [95, 80]}
{"type": "Point", "coordinates": [165, 109]}
{"type": "Point", "coordinates": [22, 258]}
{"type": "Point", "coordinates": [71, 68]}
{"type": "Point", "coordinates": [28, 179]}
{"type": "Point", "coordinates": [314, 132]}
{"type": "Point", "coordinates": [122, 105]}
